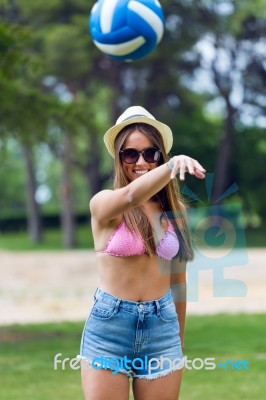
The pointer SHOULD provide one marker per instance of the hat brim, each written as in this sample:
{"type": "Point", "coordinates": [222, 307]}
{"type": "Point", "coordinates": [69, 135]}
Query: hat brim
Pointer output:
{"type": "Point", "coordinates": [165, 131]}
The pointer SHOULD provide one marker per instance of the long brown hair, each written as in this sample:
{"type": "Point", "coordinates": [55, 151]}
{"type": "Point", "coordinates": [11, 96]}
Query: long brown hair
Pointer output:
{"type": "Point", "coordinates": [169, 197]}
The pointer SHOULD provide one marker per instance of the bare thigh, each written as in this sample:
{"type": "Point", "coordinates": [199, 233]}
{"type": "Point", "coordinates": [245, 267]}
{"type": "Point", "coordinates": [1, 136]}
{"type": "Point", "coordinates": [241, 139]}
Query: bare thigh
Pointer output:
{"type": "Point", "coordinates": [163, 388]}
{"type": "Point", "coordinates": [102, 384]}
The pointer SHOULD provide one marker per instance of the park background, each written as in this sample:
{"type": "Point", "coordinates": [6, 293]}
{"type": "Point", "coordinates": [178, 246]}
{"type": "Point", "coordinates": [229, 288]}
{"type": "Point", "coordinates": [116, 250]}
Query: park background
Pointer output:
{"type": "Point", "coordinates": [58, 95]}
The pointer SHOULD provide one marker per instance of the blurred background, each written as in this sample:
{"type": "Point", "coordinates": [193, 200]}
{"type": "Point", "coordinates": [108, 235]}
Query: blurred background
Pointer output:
{"type": "Point", "coordinates": [58, 96]}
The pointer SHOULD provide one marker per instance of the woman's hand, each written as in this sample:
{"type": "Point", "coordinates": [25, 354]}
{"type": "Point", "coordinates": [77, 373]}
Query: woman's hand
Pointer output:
{"type": "Point", "coordinates": [183, 164]}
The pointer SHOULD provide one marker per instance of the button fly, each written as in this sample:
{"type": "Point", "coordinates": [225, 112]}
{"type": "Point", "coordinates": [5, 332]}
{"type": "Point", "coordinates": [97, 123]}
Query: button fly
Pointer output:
{"type": "Point", "coordinates": [141, 306]}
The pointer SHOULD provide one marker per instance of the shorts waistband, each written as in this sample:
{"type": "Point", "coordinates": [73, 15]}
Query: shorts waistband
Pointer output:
{"type": "Point", "coordinates": [150, 305]}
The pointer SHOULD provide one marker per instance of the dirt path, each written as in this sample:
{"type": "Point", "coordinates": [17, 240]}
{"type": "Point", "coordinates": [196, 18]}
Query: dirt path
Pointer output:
{"type": "Point", "coordinates": [56, 286]}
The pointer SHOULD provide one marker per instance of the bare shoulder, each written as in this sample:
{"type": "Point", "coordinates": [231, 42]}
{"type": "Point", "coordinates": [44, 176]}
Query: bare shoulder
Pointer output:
{"type": "Point", "coordinates": [99, 202]}
{"type": "Point", "coordinates": [109, 204]}
{"type": "Point", "coordinates": [103, 195]}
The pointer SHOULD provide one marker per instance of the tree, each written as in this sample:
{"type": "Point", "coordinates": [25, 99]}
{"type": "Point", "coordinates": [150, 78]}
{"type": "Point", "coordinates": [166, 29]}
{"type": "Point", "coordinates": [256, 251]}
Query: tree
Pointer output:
{"type": "Point", "coordinates": [229, 48]}
{"type": "Point", "coordinates": [24, 108]}
{"type": "Point", "coordinates": [77, 91]}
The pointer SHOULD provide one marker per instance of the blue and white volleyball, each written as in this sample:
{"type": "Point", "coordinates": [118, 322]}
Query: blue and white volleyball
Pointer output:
{"type": "Point", "coordinates": [126, 30]}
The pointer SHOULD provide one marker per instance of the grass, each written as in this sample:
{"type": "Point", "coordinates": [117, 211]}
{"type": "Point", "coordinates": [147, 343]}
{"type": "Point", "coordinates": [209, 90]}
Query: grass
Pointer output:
{"type": "Point", "coordinates": [52, 240]}
{"type": "Point", "coordinates": [27, 353]}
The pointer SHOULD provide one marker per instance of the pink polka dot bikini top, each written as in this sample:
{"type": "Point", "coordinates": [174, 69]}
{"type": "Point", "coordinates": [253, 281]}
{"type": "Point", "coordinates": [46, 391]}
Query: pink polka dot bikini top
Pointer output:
{"type": "Point", "coordinates": [124, 243]}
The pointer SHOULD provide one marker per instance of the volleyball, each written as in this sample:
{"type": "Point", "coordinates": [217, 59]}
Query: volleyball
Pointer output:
{"type": "Point", "coordinates": [126, 30]}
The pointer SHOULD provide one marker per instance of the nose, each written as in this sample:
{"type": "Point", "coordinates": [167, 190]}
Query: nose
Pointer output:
{"type": "Point", "coordinates": [140, 160]}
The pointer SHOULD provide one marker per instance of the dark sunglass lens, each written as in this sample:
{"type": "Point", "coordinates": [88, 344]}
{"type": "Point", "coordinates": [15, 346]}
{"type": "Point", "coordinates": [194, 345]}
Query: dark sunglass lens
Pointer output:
{"type": "Point", "coordinates": [130, 156]}
{"type": "Point", "coordinates": [152, 155]}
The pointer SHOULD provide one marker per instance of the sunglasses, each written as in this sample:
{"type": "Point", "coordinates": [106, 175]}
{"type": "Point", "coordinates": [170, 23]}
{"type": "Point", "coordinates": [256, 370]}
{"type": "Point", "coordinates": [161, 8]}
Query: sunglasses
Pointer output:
{"type": "Point", "coordinates": [131, 156]}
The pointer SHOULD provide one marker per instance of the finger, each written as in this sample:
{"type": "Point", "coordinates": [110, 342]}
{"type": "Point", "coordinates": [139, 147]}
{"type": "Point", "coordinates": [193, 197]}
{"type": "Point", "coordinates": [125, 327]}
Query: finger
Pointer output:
{"type": "Point", "coordinates": [182, 170]}
{"type": "Point", "coordinates": [190, 166]}
{"type": "Point", "coordinates": [198, 166]}
{"type": "Point", "coordinates": [175, 169]}
{"type": "Point", "coordinates": [199, 174]}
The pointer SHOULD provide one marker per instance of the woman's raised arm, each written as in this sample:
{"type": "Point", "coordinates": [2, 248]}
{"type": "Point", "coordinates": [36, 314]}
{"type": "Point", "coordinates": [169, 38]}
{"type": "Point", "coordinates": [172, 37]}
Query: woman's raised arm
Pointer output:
{"type": "Point", "coordinates": [109, 204]}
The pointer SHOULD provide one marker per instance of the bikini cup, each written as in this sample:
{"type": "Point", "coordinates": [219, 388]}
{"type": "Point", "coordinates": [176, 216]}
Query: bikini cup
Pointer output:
{"type": "Point", "coordinates": [124, 243]}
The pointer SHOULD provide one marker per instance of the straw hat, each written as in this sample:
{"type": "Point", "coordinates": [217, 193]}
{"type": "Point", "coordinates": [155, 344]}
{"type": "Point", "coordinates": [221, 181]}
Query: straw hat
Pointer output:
{"type": "Point", "coordinates": [132, 115]}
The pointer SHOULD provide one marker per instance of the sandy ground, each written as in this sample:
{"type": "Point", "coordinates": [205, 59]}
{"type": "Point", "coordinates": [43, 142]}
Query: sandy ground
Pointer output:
{"type": "Point", "coordinates": [57, 286]}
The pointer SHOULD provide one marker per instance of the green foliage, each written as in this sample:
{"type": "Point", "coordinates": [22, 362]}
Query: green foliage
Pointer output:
{"type": "Point", "coordinates": [12, 178]}
{"type": "Point", "coordinates": [66, 51]}
{"type": "Point", "coordinates": [13, 39]}
{"type": "Point", "coordinates": [244, 10]}
{"type": "Point", "coordinates": [24, 107]}
{"type": "Point", "coordinates": [39, 12]}
{"type": "Point", "coordinates": [48, 41]}
{"type": "Point", "coordinates": [250, 145]}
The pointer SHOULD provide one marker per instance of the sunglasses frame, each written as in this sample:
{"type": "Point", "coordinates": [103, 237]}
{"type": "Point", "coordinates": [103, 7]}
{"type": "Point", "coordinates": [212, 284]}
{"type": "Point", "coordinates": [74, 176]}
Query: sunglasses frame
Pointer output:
{"type": "Point", "coordinates": [140, 152]}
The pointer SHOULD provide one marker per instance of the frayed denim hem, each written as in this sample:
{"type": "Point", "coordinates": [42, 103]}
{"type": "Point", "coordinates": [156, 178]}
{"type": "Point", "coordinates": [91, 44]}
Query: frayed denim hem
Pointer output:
{"type": "Point", "coordinates": [159, 374]}
{"type": "Point", "coordinates": [129, 373]}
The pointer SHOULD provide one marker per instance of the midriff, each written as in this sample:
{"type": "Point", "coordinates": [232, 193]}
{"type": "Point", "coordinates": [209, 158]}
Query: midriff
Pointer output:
{"type": "Point", "coordinates": [136, 278]}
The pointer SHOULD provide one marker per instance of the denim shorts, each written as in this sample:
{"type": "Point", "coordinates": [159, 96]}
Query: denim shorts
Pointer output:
{"type": "Point", "coordinates": [138, 339]}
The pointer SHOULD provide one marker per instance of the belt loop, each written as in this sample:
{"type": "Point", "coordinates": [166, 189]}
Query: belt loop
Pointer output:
{"type": "Point", "coordinates": [118, 301]}
{"type": "Point", "coordinates": [95, 294]}
{"type": "Point", "coordinates": [157, 307]}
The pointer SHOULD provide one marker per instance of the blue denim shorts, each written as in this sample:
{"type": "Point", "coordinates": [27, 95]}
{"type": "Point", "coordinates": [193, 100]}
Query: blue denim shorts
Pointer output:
{"type": "Point", "coordinates": [138, 339]}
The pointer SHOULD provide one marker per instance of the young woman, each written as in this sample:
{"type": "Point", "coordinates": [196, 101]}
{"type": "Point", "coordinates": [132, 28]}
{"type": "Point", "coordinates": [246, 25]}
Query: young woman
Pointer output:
{"type": "Point", "coordinates": [136, 326]}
